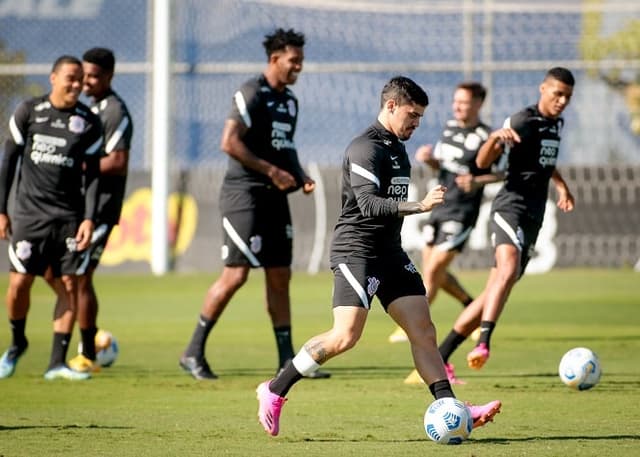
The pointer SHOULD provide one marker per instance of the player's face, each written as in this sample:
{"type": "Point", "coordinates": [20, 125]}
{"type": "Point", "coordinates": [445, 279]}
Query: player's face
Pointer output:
{"type": "Point", "coordinates": [289, 64]}
{"type": "Point", "coordinates": [554, 97]}
{"type": "Point", "coordinates": [465, 108]}
{"type": "Point", "coordinates": [66, 84]}
{"type": "Point", "coordinates": [96, 81]}
{"type": "Point", "coordinates": [404, 119]}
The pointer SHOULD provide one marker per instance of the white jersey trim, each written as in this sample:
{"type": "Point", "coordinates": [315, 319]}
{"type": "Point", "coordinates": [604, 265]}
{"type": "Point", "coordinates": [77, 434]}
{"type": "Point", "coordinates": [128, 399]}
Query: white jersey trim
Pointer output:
{"type": "Point", "coordinates": [241, 104]}
{"type": "Point", "coordinates": [117, 135]}
{"type": "Point", "coordinates": [366, 174]}
{"type": "Point", "coordinates": [355, 284]}
{"type": "Point", "coordinates": [15, 132]}
{"type": "Point", "coordinates": [95, 146]}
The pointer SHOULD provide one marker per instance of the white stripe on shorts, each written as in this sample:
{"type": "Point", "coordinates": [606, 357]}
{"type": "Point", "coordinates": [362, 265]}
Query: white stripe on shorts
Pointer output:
{"type": "Point", "coordinates": [453, 242]}
{"type": "Point", "coordinates": [504, 225]}
{"type": "Point", "coordinates": [15, 261]}
{"type": "Point", "coordinates": [354, 283]}
{"type": "Point", "coordinates": [237, 240]}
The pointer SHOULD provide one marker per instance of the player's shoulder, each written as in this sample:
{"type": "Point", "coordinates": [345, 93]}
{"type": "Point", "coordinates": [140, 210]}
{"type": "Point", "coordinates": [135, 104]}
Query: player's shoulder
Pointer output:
{"type": "Point", "coordinates": [524, 117]}
{"type": "Point", "coordinates": [112, 104]}
{"type": "Point", "coordinates": [482, 130]}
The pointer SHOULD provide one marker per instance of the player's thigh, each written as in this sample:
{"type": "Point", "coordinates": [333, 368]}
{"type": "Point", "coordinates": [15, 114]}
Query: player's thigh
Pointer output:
{"type": "Point", "coordinates": [28, 247]}
{"type": "Point", "coordinates": [398, 277]}
{"type": "Point", "coordinates": [66, 259]}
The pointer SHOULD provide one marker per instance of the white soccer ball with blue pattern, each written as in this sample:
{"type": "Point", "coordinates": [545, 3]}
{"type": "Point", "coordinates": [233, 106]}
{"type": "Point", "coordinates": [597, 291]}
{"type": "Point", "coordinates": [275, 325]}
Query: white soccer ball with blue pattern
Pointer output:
{"type": "Point", "coordinates": [580, 368]}
{"type": "Point", "coordinates": [448, 421]}
{"type": "Point", "coordinates": [107, 348]}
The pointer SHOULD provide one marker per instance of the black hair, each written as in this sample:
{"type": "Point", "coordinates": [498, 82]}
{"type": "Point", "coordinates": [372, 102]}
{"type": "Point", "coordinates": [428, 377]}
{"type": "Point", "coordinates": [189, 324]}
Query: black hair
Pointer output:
{"type": "Point", "coordinates": [101, 57]}
{"type": "Point", "coordinates": [403, 90]}
{"type": "Point", "coordinates": [64, 59]}
{"type": "Point", "coordinates": [280, 39]}
{"type": "Point", "coordinates": [478, 91]}
{"type": "Point", "coordinates": [561, 74]}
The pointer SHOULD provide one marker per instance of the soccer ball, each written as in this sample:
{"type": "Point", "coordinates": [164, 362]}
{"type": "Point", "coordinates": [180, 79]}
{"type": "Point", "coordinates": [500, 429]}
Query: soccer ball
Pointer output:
{"type": "Point", "coordinates": [106, 348]}
{"type": "Point", "coordinates": [448, 421]}
{"type": "Point", "coordinates": [580, 369]}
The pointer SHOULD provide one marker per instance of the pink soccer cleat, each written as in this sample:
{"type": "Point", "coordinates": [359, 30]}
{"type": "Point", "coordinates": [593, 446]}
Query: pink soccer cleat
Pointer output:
{"type": "Point", "coordinates": [482, 414]}
{"type": "Point", "coordinates": [451, 375]}
{"type": "Point", "coordinates": [269, 408]}
{"type": "Point", "coordinates": [478, 356]}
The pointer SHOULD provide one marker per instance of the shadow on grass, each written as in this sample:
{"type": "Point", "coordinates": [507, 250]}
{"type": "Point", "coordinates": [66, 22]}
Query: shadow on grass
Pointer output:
{"type": "Point", "coordinates": [478, 441]}
{"type": "Point", "coordinates": [7, 428]}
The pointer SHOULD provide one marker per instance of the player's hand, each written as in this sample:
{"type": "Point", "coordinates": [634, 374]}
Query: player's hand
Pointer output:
{"type": "Point", "coordinates": [506, 136]}
{"type": "Point", "coordinates": [282, 179]}
{"type": "Point", "coordinates": [309, 185]}
{"type": "Point", "coordinates": [83, 235]}
{"type": "Point", "coordinates": [434, 197]}
{"type": "Point", "coordinates": [424, 153]}
{"type": "Point", "coordinates": [466, 182]}
{"type": "Point", "coordinates": [565, 202]}
{"type": "Point", "coordinates": [5, 227]}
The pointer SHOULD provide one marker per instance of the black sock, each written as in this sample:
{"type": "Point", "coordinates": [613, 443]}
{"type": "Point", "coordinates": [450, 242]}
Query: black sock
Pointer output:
{"type": "Point", "coordinates": [199, 337]}
{"type": "Point", "coordinates": [441, 389]}
{"type": "Point", "coordinates": [59, 349]}
{"type": "Point", "coordinates": [17, 332]}
{"type": "Point", "coordinates": [285, 347]}
{"type": "Point", "coordinates": [486, 329]}
{"type": "Point", "coordinates": [467, 302]}
{"type": "Point", "coordinates": [287, 377]}
{"type": "Point", "coordinates": [88, 338]}
{"type": "Point", "coordinates": [450, 344]}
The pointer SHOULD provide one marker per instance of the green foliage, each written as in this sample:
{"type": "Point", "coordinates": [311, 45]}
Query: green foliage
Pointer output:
{"type": "Point", "coordinates": [145, 406]}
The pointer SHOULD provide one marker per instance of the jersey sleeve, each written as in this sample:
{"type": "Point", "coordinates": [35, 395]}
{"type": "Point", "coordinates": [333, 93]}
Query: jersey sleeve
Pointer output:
{"type": "Point", "coordinates": [94, 141]}
{"type": "Point", "coordinates": [118, 128]}
{"type": "Point", "coordinates": [14, 148]}
{"type": "Point", "coordinates": [245, 101]}
{"type": "Point", "coordinates": [364, 175]}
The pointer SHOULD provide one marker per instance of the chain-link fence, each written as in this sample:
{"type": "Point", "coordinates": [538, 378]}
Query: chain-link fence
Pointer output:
{"type": "Point", "coordinates": [353, 47]}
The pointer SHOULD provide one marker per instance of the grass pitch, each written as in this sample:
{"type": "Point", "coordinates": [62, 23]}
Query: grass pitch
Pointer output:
{"type": "Point", "coordinates": [145, 406]}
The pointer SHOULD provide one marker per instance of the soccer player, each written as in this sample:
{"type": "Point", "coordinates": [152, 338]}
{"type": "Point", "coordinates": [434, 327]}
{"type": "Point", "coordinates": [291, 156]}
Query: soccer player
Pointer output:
{"type": "Point", "coordinates": [263, 169]}
{"type": "Point", "coordinates": [367, 258]}
{"type": "Point", "coordinates": [99, 64]}
{"type": "Point", "coordinates": [530, 141]}
{"type": "Point", "coordinates": [54, 148]}
{"type": "Point", "coordinates": [449, 225]}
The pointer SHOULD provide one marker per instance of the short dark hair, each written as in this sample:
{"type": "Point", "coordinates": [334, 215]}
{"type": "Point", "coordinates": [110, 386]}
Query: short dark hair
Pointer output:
{"type": "Point", "coordinates": [66, 58]}
{"type": "Point", "coordinates": [403, 90]}
{"type": "Point", "coordinates": [280, 39]}
{"type": "Point", "coordinates": [101, 57]}
{"type": "Point", "coordinates": [561, 74]}
{"type": "Point", "coordinates": [478, 91]}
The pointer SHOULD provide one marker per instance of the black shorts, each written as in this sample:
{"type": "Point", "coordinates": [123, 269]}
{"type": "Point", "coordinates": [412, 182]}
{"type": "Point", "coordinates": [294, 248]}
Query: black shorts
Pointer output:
{"type": "Point", "coordinates": [356, 281]}
{"type": "Point", "coordinates": [98, 243]}
{"type": "Point", "coordinates": [446, 233]}
{"type": "Point", "coordinates": [36, 246]}
{"type": "Point", "coordinates": [261, 236]}
{"type": "Point", "coordinates": [519, 231]}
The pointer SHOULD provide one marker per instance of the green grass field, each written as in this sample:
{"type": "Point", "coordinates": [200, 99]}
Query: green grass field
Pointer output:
{"type": "Point", "coordinates": [145, 406]}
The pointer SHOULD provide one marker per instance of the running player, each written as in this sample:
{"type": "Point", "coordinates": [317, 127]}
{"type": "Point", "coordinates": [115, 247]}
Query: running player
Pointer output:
{"type": "Point", "coordinates": [54, 149]}
{"type": "Point", "coordinates": [530, 141]}
{"type": "Point", "coordinates": [367, 258]}
{"type": "Point", "coordinates": [263, 169]}
{"type": "Point", "coordinates": [99, 65]}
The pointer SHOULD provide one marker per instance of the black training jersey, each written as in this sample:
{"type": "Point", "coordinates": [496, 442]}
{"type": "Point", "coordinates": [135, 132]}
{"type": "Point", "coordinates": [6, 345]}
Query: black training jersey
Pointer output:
{"type": "Point", "coordinates": [271, 118]}
{"type": "Point", "coordinates": [375, 176]}
{"type": "Point", "coordinates": [530, 163]}
{"type": "Point", "coordinates": [118, 130]}
{"type": "Point", "coordinates": [456, 152]}
{"type": "Point", "coordinates": [59, 151]}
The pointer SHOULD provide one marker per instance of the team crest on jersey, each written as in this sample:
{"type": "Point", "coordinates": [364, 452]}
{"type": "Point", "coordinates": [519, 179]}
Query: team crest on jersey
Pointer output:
{"type": "Point", "coordinates": [411, 268]}
{"type": "Point", "coordinates": [76, 124]}
{"type": "Point", "coordinates": [291, 105]}
{"type": "Point", "coordinates": [23, 249]}
{"type": "Point", "coordinates": [255, 244]}
{"type": "Point", "coordinates": [372, 286]}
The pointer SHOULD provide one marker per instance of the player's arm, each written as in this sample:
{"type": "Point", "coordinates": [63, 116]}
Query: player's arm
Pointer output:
{"type": "Point", "coordinates": [566, 201]}
{"type": "Point", "coordinates": [233, 145]}
{"type": "Point", "coordinates": [495, 145]}
{"type": "Point", "coordinates": [433, 198]}
{"type": "Point", "coordinates": [427, 155]}
{"type": "Point", "coordinates": [118, 131]}
{"type": "Point", "coordinates": [469, 182]}
{"type": "Point", "coordinates": [91, 181]}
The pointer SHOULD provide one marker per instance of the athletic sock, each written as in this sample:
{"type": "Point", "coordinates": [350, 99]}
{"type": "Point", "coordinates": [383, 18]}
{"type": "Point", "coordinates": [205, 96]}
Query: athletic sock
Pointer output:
{"type": "Point", "coordinates": [450, 344]}
{"type": "Point", "coordinates": [59, 349]}
{"type": "Point", "coordinates": [285, 346]}
{"type": "Point", "coordinates": [441, 389]}
{"type": "Point", "coordinates": [88, 338]}
{"type": "Point", "coordinates": [287, 377]}
{"type": "Point", "coordinates": [17, 332]}
{"type": "Point", "coordinates": [199, 337]}
{"type": "Point", "coordinates": [467, 302]}
{"type": "Point", "coordinates": [486, 329]}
